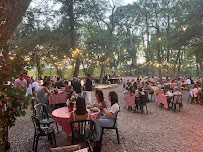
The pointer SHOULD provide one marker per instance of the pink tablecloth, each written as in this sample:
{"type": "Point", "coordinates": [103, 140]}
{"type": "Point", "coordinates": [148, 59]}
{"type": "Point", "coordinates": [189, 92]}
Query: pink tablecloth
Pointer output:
{"type": "Point", "coordinates": [62, 116]}
{"type": "Point", "coordinates": [130, 101]}
{"type": "Point", "coordinates": [162, 99]}
{"type": "Point", "coordinates": [172, 85]}
{"type": "Point", "coordinates": [82, 150]}
{"type": "Point", "coordinates": [57, 98]}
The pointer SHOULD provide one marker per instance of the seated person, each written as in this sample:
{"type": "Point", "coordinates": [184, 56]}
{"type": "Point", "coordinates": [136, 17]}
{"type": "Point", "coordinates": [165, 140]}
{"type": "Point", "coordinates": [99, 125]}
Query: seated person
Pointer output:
{"type": "Point", "coordinates": [80, 113]}
{"type": "Point", "coordinates": [195, 91]}
{"type": "Point", "coordinates": [72, 96]}
{"type": "Point", "coordinates": [132, 90]}
{"type": "Point", "coordinates": [149, 87]}
{"type": "Point", "coordinates": [43, 94]}
{"type": "Point", "coordinates": [58, 84]}
{"type": "Point", "coordinates": [101, 102]}
{"type": "Point", "coordinates": [109, 118]}
{"type": "Point", "coordinates": [159, 91]}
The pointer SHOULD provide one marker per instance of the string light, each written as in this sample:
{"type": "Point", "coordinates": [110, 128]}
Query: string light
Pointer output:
{"type": "Point", "coordinates": [11, 58]}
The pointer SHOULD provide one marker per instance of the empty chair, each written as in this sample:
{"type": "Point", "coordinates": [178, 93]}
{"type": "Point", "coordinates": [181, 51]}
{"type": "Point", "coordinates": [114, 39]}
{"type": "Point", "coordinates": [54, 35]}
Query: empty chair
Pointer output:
{"type": "Point", "coordinates": [167, 87]}
{"type": "Point", "coordinates": [41, 113]}
{"type": "Point", "coordinates": [42, 131]}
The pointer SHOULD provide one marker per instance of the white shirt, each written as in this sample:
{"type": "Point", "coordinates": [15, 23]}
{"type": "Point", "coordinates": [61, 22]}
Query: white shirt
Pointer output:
{"type": "Point", "coordinates": [35, 85]}
{"type": "Point", "coordinates": [114, 109]}
{"type": "Point", "coordinates": [188, 81]}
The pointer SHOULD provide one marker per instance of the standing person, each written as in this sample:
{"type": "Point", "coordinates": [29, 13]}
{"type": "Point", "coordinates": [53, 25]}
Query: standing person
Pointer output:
{"type": "Point", "coordinates": [88, 89]}
{"type": "Point", "coordinates": [76, 86]}
{"type": "Point", "coordinates": [21, 81]}
{"type": "Point", "coordinates": [35, 86]}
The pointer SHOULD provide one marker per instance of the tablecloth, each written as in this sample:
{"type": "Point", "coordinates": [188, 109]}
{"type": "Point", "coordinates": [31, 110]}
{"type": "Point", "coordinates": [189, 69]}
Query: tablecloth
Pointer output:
{"type": "Point", "coordinates": [82, 150]}
{"type": "Point", "coordinates": [172, 85]}
{"type": "Point", "coordinates": [163, 99]}
{"type": "Point", "coordinates": [62, 116]}
{"type": "Point", "coordinates": [57, 98]}
{"type": "Point", "coordinates": [130, 101]}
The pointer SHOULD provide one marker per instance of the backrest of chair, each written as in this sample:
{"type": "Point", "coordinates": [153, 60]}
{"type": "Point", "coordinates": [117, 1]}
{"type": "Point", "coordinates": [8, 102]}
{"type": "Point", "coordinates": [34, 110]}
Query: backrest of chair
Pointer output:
{"type": "Point", "coordinates": [177, 98]}
{"type": "Point", "coordinates": [115, 119]}
{"type": "Point", "coordinates": [167, 87]}
{"type": "Point", "coordinates": [36, 123]}
{"type": "Point", "coordinates": [85, 129]}
{"type": "Point", "coordinates": [40, 111]}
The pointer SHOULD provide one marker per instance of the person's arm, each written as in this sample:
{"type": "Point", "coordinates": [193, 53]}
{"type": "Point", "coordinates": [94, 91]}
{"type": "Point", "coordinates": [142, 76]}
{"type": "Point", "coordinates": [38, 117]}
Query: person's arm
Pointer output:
{"type": "Point", "coordinates": [47, 91]}
{"type": "Point", "coordinates": [104, 103]}
{"type": "Point", "coordinates": [108, 114]}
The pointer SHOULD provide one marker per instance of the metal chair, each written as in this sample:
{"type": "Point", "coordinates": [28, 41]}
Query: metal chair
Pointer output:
{"type": "Point", "coordinates": [115, 127]}
{"type": "Point", "coordinates": [167, 87]}
{"type": "Point", "coordinates": [83, 132]}
{"type": "Point", "coordinates": [40, 112]}
{"type": "Point", "coordinates": [177, 99]}
{"type": "Point", "coordinates": [42, 131]}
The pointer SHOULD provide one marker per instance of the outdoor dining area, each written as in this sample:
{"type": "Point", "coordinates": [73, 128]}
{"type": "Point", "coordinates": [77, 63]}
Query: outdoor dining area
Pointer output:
{"type": "Point", "coordinates": [166, 95]}
{"type": "Point", "coordinates": [81, 119]}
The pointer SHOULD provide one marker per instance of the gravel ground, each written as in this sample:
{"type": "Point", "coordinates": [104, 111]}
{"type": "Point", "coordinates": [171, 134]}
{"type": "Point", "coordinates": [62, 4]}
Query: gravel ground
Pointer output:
{"type": "Point", "coordinates": [159, 130]}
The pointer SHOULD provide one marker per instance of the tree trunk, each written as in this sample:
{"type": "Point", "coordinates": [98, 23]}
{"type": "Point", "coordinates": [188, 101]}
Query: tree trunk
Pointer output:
{"type": "Point", "coordinates": [12, 12]}
{"type": "Point", "coordinates": [77, 67]}
{"type": "Point", "coordinates": [72, 33]}
{"type": "Point", "coordinates": [176, 61]}
{"type": "Point", "coordinates": [159, 53]}
{"type": "Point", "coordinates": [179, 66]}
{"type": "Point", "coordinates": [103, 66]}
{"type": "Point", "coordinates": [197, 70]}
{"type": "Point", "coordinates": [168, 50]}
{"type": "Point", "coordinates": [134, 53]}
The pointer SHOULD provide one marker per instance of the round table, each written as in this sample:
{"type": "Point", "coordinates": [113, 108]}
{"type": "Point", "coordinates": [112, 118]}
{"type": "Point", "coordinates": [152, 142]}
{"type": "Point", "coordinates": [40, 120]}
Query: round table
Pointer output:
{"type": "Point", "coordinates": [62, 116]}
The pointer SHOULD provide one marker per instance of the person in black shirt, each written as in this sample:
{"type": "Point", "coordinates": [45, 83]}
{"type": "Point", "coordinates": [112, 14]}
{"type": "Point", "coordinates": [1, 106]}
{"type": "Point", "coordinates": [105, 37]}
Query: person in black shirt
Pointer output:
{"type": "Point", "coordinates": [88, 89]}
{"type": "Point", "coordinates": [58, 84]}
{"type": "Point", "coordinates": [76, 86]}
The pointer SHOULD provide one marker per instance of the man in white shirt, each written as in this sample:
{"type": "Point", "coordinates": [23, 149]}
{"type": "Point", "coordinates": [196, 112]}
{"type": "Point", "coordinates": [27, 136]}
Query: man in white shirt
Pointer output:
{"type": "Point", "coordinates": [35, 86]}
{"type": "Point", "coordinates": [188, 81]}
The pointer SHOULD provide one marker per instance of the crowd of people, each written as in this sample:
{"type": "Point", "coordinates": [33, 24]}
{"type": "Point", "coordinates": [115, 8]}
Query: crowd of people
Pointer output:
{"type": "Point", "coordinates": [78, 92]}
{"type": "Point", "coordinates": [141, 87]}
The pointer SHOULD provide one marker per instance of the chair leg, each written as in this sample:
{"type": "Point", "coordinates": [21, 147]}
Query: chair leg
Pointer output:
{"type": "Point", "coordinates": [117, 136]}
{"type": "Point", "coordinates": [36, 143]}
{"type": "Point", "coordinates": [50, 137]}
{"type": "Point", "coordinates": [54, 138]}
{"type": "Point", "coordinates": [146, 109]}
{"type": "Point", "coordinates": [33, 146]}
{"type": "Point", "coordinates": [174, 107]}
{"type": "Point", "coordinates": [102, 134]}
{"type": "Point", "coordinates": [57, 127]}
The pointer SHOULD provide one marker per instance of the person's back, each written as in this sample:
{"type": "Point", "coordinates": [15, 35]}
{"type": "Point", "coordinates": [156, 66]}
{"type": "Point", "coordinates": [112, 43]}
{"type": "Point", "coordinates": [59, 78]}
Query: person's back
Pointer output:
{"type": "Point", "coordinates": [35, 85]}
{"type": "Point", "coordinates": [88, 84]}
{"type": "Point", "coordinates": [76, 86]}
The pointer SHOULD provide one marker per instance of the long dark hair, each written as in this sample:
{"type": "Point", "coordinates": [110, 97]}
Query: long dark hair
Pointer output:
{"type": "Point", "coordinates": [100, 95]}
{"type": "Point", "coordinates": [114, 97]}
{"type": "Point", "coordinates": [80, 106]}
{"type": "Point", "coordinates": [46, 83]}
